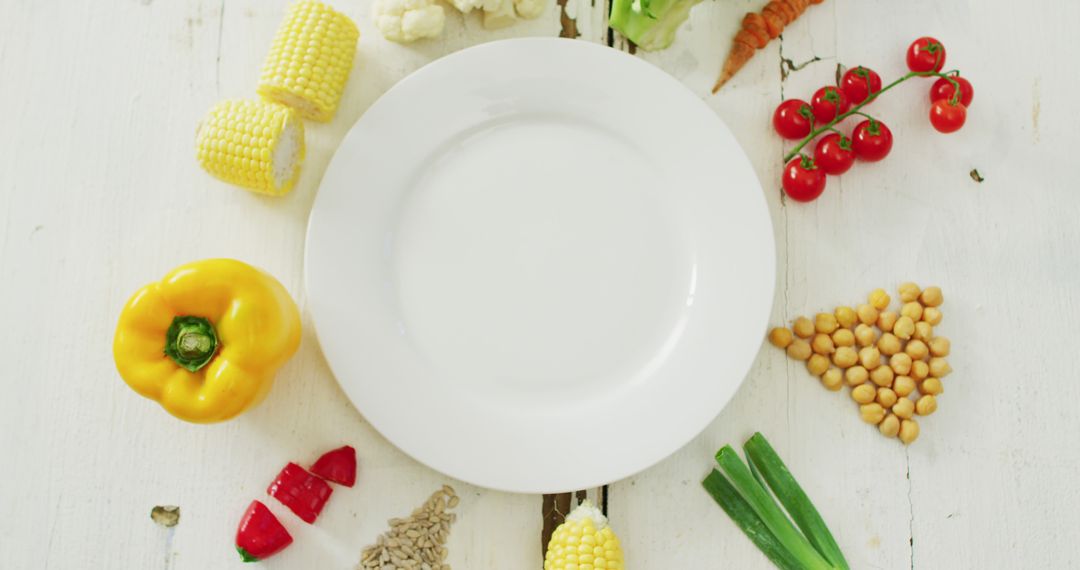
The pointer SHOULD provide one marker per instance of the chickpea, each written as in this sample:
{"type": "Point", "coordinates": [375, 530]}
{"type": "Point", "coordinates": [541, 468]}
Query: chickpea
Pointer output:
{"type": "Point", "coordinates": [867, 314]}
{"type": "Point", "coordinates": [939, 368]}
{"type": "Point", "coordinates": [909, 431]}
{"type": "Point", "coordinates": [843, 337]}
{"type": "Point", "coordinates": [825, 323]}
{"type": "Point", "coordinates": [904, 328]}
{"type": "Point", "coordinates": [817, 364]}
{"type": "Point", "coordinates": [886, 397]}
{"type": "Point", "coordinates": [903, 408]}
{"type": "Point", "coordinates": [919, 370]}
{"type": "Point", "coordinates": [926, 405]}
{"type": "Point", "coordinates": [803, 327]}
{"type": "Point", "coordinates": [900, 363]}
{"type": "Point", "coordinates": [822, 344]}
{"type": "Point", "coordinates": [888, 344]}
{"type": "Point", "coordinates": [872, 413]}
{"type": "Point", "coordinates": [916, 349]}
{"type": "Point", "coordinates": [939, 346]}
{"type": "Point", "coordinates": [931, 386]}
{"type": "Point", "coordinates": [923, 331]}
{"type": "Point", "coordinates": [913, 310]}
{"type": "Point", "coordinates": [882, 376]}
{"type": "Point", "coordinates": [865, 335]}
{"type": "Point", "coordinates": [903, 386]}
{"type": "Point", "coordinates": [846, 316]}
{"type": "Point", "coordinates": [908, 292]}
{"type": "Point", "coordinates": [886, 320]}
{"type": "Point", "coordinates": [799, 349]}
{"type": "Point", "coordinates": [856, 376]}
{"type": "Point", "coordinates": [870, 358]}
{"type": "Point", "coordinates": [780, 337]}
{"type": "Point", "coordinates": [931, 297]}
{"type": "Point", "coordinates": [890, 426]}
{"type": "Point", "coordinates": [845, 357]}
{"type": "Point", "coordinates": [832, 379]}
{"type": "Point", "coordinates": [879, 299]}
{"type": "Point", "coordinates": [864, 393]}
{"type": "Point", "coordinates": [932, 315]}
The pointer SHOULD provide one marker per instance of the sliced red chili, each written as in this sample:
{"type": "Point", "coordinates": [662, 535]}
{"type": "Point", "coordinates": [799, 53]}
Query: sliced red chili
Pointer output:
{"type": "Point", "coordinates": [260, 534]}
{"type": "Point", "coordinates": [337, 466]}
{"type": "Point", "coordinates": [304, 493]}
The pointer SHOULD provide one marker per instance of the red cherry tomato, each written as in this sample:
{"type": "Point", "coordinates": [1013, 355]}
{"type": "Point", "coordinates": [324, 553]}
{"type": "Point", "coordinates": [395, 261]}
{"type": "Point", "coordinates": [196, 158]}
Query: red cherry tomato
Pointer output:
{"type": "Point", "coordinates": [792, 119]}
{"type": "Point", "coordinates": [947, 117]}
{"type": "Point", "coordinates": [871, 140]}
{"type": "Point", "coordinates": [858, 83]}
{"type": "Point", "coordinates": [833, 154]}
{"type": "Point", "coordinates": [803, 180]}
{"type": "Point", "coordinates": [829, 103]}
{"type": "Point", "coordinates": [943, 89]}
{"type": "Point", "coordinates": [926, 54]}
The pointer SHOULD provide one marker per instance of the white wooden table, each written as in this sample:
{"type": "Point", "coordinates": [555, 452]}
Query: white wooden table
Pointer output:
{"type": "Point", "coordinates": [100, 193]}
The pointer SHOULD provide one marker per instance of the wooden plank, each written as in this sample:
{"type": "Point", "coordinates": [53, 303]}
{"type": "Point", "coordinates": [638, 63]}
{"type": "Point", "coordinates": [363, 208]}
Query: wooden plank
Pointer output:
{"type": "Point", "coordinates": [99, 194]}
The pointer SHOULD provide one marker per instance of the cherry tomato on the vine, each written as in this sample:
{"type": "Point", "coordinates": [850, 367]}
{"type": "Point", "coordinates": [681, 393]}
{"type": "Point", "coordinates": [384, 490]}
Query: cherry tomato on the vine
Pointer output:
{"type": "Point", "coordinates": [871, 140]}
{"type": "Point", "coordinates": [834, 154]}
{"type": "Point", "coordinates": [943, 89]}
{"type": "Point", "coordinates": [792, 119]}
{"type": "Point", "coordinates": [803, 180]}
{"type": "Point", "coordinates": [858, 83]}
{"type": "Point", "coordinates": [926, 54]}
{"type": "Point", "coordinates": [829, 103]}
{"type": "Point", "coordinates": [947, 117]}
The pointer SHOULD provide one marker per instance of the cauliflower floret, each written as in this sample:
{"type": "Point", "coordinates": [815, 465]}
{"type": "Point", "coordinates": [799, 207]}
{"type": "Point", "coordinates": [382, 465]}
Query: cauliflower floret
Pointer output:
{"type": "Point", "coordinates": [501, 16]}
{"type": "Point", "coordinates": [466, 6]}
{"type": "Point", "coordinates": [529, 8]}
{"type": "Point", "coordinates": [408, 20]}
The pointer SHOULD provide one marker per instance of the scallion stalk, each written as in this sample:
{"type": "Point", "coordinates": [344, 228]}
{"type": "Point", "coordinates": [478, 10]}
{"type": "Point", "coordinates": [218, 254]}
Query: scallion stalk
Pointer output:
{"type": "Point", "coordinates": [739, 510]}
{"type": "Point", "coordinates": [768, 464]}
{"type": "Point", "coordinates": [752, 493]}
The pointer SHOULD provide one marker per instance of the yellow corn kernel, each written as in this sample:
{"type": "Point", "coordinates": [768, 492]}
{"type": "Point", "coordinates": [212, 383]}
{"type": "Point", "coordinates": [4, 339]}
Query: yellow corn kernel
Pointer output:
{"type": "Point", "coordinates": [254, 144]}
{"type": "Point", "coordinates": [310, 60]}
{"type": "Point", "coordinates": [584, 541]}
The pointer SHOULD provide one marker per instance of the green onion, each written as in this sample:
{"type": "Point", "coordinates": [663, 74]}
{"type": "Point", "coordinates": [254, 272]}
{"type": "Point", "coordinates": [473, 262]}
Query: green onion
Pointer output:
{"type": "Point", "coordinates": [763, 457]}
{"type": "Point", "coordinates": [743, 491]}
{"type": "Point", "coordinates": [740, 512]}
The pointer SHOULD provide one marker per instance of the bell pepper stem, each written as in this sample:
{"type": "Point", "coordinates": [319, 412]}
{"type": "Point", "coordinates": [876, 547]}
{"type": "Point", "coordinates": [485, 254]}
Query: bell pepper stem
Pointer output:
{"type": "Point", "coordinates": [191, 342]}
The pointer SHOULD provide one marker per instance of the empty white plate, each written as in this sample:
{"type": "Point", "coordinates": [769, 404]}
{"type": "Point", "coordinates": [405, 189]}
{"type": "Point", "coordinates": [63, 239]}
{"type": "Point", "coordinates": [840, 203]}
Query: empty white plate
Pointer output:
{"type": "Point", "coordinates": [539, 265]}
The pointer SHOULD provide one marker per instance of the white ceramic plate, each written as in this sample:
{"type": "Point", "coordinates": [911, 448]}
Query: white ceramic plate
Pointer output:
{"type": "Point", "coordinates": [539, 265]}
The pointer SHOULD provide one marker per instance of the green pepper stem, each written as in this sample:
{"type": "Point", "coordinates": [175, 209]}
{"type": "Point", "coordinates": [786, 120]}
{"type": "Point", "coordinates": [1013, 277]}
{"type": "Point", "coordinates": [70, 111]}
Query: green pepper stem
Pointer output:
{"type": "Point", "coordinates": [855, 110]}
{"type": "Point", "coordinates": [191, 342]}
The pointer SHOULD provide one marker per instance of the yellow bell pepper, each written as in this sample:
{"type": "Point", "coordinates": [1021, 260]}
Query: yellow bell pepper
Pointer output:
{"type": "Point", "coordinates": [206, 341]}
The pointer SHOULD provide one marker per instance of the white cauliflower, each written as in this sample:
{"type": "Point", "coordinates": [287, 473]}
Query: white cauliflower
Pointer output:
{"type": "Point", "coordinates": [408, 20]}
{"type": "Point", "coordinates": [466, 6]}
{"type": "Point", "coordinates": [529, 8]}
{"type": "Point", "coordinates": [501, 16]}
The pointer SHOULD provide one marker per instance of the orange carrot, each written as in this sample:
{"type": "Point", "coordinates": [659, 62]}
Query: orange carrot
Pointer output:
{"type": "Point", "coordinates": [757, 30]}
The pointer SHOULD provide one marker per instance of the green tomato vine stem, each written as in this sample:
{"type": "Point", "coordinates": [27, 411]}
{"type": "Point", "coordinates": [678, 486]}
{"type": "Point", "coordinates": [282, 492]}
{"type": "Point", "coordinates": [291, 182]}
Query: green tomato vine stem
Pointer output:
{"type": "Point", "coordinates": [855, 110]}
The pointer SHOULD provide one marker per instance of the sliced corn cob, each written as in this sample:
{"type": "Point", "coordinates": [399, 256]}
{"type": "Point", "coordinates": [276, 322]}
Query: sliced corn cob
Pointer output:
{"type": "Point", "coordinates": [252, 143]}
{"type": "Point", "coordinates": [310, 60]}
{"type": "Point", "coordinates": [584, 542]}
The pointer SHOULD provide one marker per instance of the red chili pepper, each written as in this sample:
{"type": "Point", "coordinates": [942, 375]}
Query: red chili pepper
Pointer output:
{"type": "Point", "coordinates": [260, 535]}
{"type": "Point", "coordinates": [304, 493]}
{"type": "Point", "coordinates": [337, 466]}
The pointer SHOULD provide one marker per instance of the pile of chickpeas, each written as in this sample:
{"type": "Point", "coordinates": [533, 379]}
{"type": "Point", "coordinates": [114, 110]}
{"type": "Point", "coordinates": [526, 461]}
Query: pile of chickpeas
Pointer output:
{"type": "Point", "coordinates": [892, 361]}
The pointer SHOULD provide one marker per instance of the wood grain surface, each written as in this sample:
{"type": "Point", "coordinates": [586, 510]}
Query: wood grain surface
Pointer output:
{"type": "Point", "coordinates": [100, 193]}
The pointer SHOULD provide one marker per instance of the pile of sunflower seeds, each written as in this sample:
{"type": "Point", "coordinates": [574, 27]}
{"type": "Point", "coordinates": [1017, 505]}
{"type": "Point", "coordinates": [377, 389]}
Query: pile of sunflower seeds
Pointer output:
{"type": "Point", "coordinates": [417, 542]}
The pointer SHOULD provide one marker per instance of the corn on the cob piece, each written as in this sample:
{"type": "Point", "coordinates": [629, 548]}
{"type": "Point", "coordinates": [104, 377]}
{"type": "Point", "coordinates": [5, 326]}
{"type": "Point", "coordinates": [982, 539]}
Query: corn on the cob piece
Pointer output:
{"type": "Point", "coordinates": [310, 60]}
{"type": "Point", "coordinates": [584, 542]}
{"type": "Point", "coordinates": [252, 143]}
